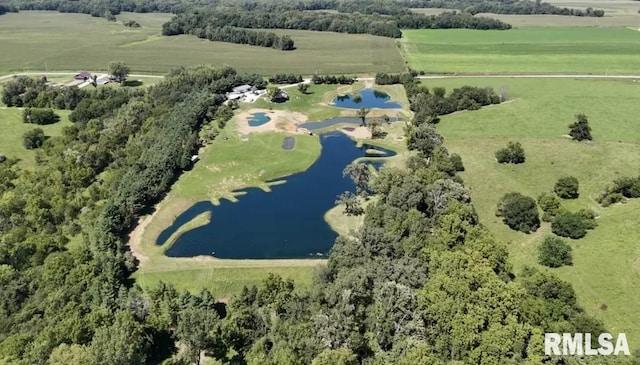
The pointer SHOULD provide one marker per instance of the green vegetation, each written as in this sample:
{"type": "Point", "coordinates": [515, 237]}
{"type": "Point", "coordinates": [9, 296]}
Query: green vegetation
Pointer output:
{"type": "Point", "coordinates": [535, 50]}
{"type": "Point", "coordinates": [33, 139]}
{"type": "Point", "coordinates": [567, 187]}
{"type": "Point", "coordinates": [513, 153]}
{"type": "Point", "coordinates": [519, 212]}
{"type": "Point", "coordinates": [537, 116]}
{"type": "Point", "coordinates": [554, 252]}
{"type": "Point", "coordinates": [12, 128]}
{"type": "Point", "coordinates": [45, 37]}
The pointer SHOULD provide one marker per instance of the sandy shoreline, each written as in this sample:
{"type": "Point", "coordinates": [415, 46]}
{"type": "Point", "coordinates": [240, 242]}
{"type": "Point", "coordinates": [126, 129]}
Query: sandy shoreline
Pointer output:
{"type": "Point", "coordinates": [280, 121]}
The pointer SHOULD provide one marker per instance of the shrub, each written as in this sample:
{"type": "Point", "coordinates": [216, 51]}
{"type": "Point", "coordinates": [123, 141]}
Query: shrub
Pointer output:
{"type": "Point", "coordinates": [456, 160]}
{"type": "Point", "coordinates": [580, 129]}
{"type": "Point", "coordinates": [33, 138]}
{"type": "Point", "coordinates": [554, 252]}
{"type": "Point", "coordinates": [519, 212]}
{"type": "Point", "coordinates": [549, 203]}
{"type": "Point", "coordinates": [572, 225]}
{"type": "Point", "coordinates": [39, 116]}
{"type": "Point", "coordinates": [567, 187]}
{"type": "Point", "coordinates": [513, 153]}
{"type": "Point", "coordinates": [607, 198]}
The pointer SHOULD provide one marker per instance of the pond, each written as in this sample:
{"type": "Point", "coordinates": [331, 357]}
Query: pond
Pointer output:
{"type": "Point", "coordinates": [369, 98]}
{"type": "Point", "coordinates": [287, 222]}
{"type": "Point", "coordinates": [337, 120]}
{"type": "Point", "coordinates": [258, 119]}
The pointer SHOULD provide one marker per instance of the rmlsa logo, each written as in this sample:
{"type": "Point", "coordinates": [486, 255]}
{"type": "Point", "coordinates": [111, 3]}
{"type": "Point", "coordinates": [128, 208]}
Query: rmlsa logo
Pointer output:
{"type": "Point", "coordinates": [580, 344]}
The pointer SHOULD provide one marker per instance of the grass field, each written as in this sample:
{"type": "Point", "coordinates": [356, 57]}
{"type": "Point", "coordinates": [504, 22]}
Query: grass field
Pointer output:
{"type": "Point", "coordinates": [606, 266]}
{"type": "Point", "coordinates": [12, 128]}
{"type": "Point", "coordinates": [525, 50]}
{"type": "Point", "coordinates": [33, 40]}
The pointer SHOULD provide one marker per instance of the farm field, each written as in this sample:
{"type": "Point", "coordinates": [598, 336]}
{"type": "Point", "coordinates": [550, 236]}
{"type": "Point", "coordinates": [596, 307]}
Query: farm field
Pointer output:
{"type": "Point", "coordinates": [34, 40]}
{"type": "Point", "coordinates": [572, 50]}
{"type": "Point", "coordinates": [12, 128]}
{"type": "Point", "coordinates": [606, 269]}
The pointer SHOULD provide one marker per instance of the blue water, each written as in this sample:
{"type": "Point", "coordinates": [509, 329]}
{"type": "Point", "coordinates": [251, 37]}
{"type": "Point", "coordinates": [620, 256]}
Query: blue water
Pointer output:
{"type": "Point", "coordinates": [258, 119]}
{"type": "Point", "coordinates": [287, 222]}
{"type": "Point", "coordinates": [337, 120]}
{"type": "Point", "coordinates": [370, 99]}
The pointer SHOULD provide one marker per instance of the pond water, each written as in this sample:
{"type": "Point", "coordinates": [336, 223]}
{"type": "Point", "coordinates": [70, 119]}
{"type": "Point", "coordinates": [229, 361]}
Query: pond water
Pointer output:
{"type": "Point", "coordinates": [337, 120]}
{"type": "Point", "coordinates": [258, 119]}
{"type": "Point", "coordinates": [287, 222]}
{"type": "Point", "coordinates": [370, 98]}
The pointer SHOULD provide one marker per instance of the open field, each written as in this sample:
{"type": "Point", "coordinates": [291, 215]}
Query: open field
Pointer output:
{"type": "Point", "coordinates": [12, 128]}
{"type": "Point", "coordinates": [33, 40]}
{"type": "Point", "coordinates": [606, 266]}
{"type": "Point", "coordinates": [524, 50]}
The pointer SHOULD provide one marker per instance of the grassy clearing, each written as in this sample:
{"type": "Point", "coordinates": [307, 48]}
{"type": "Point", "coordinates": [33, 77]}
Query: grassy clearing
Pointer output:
{"type": "Point", "coordinates": [34, 40]}
{"type": "Point", "coordinates": [12, 128]}
{"type": "Point", "coordinates": [606, 266]}
{"type": "Point", "coordinates": [524, 50]}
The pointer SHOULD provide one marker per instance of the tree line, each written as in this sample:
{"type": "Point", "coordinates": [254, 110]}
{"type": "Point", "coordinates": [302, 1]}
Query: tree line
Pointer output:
{"type": "Point", "coordinates": [237, 35]}
{"type": "Point", "coordinates": [523, 7]}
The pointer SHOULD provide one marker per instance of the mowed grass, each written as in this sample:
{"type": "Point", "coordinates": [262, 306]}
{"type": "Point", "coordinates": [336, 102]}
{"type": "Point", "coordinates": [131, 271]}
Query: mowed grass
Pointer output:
{"type": "Point", "coordinates": [12, 128]}
{"type": "Point", "coordinates": [606, 266]}
{"type": "Point", "coordinates": [225, 165]}
{"type": "Point", "coordinates": [34, 40]}
{"type": "Point", "coordinates": [524, 50]}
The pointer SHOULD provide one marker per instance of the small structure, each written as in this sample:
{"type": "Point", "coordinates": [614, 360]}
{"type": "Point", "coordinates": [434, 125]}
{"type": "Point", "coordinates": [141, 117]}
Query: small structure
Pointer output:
{"type": "Point", "coordinates": [242, 89]}
{"type": "Point", "coordinates": [83, 76]}
{"type": "Point", "coordinates": [195, 158]}
{"type": "Point", "coordinates": [280, 97]}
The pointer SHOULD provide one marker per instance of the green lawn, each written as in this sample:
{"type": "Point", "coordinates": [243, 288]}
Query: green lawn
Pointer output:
{"type": "Point", "coordinates": [34, 40]}
{"type": "Point", "coordinates": [12, 128]}
{"type": "Point", "coordinates": [524, 50]}
{"type": "Point", "coordinates": [606, 266]}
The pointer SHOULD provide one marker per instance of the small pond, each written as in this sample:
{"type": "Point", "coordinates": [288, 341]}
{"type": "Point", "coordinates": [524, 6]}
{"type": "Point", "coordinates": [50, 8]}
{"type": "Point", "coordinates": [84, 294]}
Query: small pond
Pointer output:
{"type": "Point", "coordinates": [337, 120]}
{"type": "Point", "coordinates": [287, 222]}
{"type": "Point", "coordinates": [258, 119]}
{"type": "Point", "coordinates": [369, 98]}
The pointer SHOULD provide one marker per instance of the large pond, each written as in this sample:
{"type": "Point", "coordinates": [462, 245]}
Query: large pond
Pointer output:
{"type": "Point", "coordinates": [337, 120]}
{"type": "Point", "coordinates": [287, 222]}
{"type": "Point", "coordinates": [368, 98]}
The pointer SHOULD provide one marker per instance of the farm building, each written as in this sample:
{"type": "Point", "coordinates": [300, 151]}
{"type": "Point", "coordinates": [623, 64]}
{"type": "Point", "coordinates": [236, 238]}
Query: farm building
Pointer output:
{"type": "Point", "coordinates": [84, 76]}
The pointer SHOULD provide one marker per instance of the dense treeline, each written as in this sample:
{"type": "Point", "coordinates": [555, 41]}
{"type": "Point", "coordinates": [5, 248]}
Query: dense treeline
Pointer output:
{"type": "Point", "coordinates": [523, 7]}
{"type": "Point", "coordinates": [285, 79]}
{"type": "Point", "coordinates": [330, 79]}
{"type": "Point", "coordinates": [240, 36]}
{"type": "Point", "coordinates": [7, 9]}
{"type": "Point", "coordinates": [37, 93]}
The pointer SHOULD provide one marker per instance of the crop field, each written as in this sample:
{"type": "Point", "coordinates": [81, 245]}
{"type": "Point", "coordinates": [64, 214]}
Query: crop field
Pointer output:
{"type": "Point", "coordinates": [606, 269]}
{"type": "Point", "coordinates": [571, 50]}
{"type": "Point", "coordinates": [12, 128]}
{"type": "Point", "coordinates": [34, 40]}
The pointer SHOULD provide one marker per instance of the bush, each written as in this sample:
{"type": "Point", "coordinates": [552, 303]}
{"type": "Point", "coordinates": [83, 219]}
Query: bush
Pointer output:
{"type": "Point", "coordinates": [513, 153]}
{"type": "Point", "coordinates": [580, 130]}
{"type": "Point", "coordinates": [33, 138]}
{"type": "Point", "coordinates": [567, 187]}
{"type": "Point", "coordinates": [607, 198]}
{"type": "Point", "coordinates": [456, 160]}
{"type": "Point", "coordinates": [549, 203]}
{"type": "Point", "coordinates": [554, 252]}
{"type": "Point", "coordinates": [39, 116]}
{"type": "Point", "coordinates": [572, 225]}
{"type": "Point", "coordinates": [519, 212]}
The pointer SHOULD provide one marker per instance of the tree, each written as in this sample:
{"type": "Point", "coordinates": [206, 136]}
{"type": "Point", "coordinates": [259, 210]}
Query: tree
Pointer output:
{"type": "Point", "coordinates": [580, 129]}
{"type": "Point", "coordinates": [121, 343]}
{"type": "Point", "coordinates": [33, 139]}
{"type": "Point", "coordinates": [194, 330]}
{"type": "Point", "coordinates": [425, 139]}
{"type": "Point", "coordinates": [39, 116]}
{"type": "Point", "coordinates": [119, 71]}
{"type": "Point", "coordinates": [362, 114]}
{"type": "Point", "coordinates": [554, 252]}
{"type": "Point", "coordinates": [549, 203]}
{"type": "Point", "coordinates": [341, 356]}
{"type": "Point", "coordinates": [572, 225]}
{"type": "Point", "coordinates": [374, 128]}
{"type": "Point", "coordinates": [567, 187]}
{"type": "Point", "coordinates": [303, 88]}
{"type": "Point", "coordinates": [519, 212]}
{"type": "Point", "coordinates": [351, 204]}
{"type": "Point", "coordinates": [513, 153]}
{"type": "Point", "coordinates": [360, 174]}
